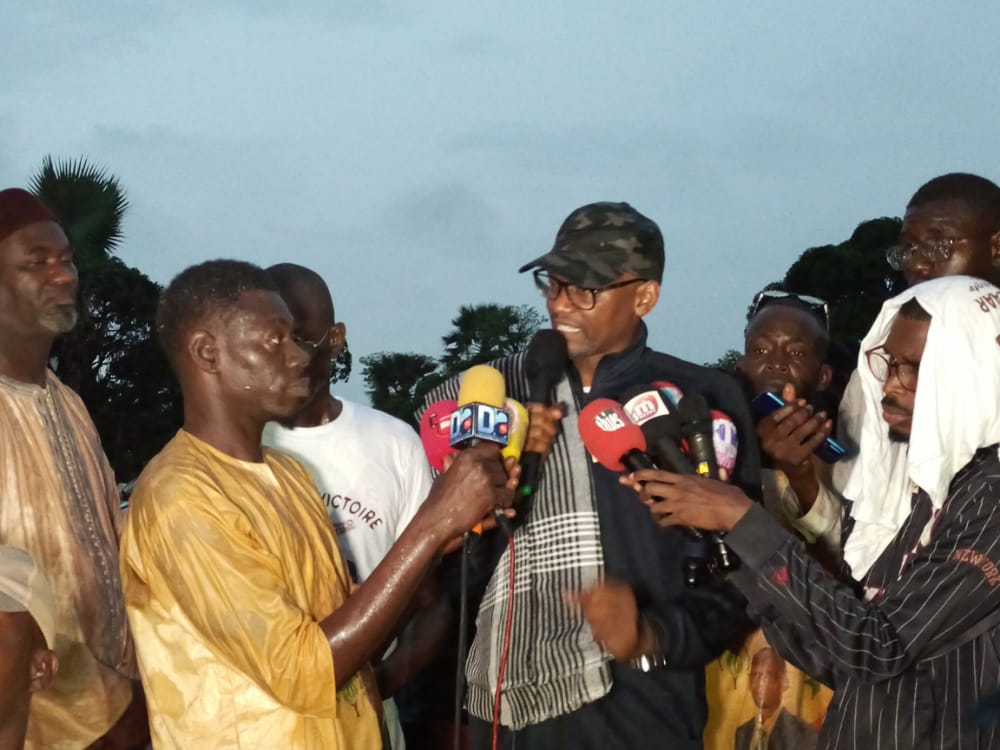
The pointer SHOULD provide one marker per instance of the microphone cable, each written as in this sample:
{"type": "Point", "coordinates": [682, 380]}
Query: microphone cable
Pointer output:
{"type": "Point", "coordinates": [505, 650]}
{"type": "Point", "coordinates": [463, 624]}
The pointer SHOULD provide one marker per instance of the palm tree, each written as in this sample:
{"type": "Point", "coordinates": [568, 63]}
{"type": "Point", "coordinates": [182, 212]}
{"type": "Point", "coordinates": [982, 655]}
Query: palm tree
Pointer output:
{"type": "Point", "coordinates": [483, 333]}
{"type": "Point", "coordinates": [392, 379]}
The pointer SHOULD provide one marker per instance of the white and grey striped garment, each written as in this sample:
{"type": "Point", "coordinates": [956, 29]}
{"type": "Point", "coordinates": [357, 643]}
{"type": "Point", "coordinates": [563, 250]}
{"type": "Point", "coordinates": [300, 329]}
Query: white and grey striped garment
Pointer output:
{"type": "Point", "coordinates": [903, 675]}
{"type": "Point", "coordinates": [557, 550]}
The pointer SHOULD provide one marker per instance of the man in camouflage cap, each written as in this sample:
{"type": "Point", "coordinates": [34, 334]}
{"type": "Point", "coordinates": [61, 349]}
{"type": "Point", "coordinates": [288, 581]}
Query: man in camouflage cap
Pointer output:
{"type": "Point", "coordinates": [599, 243]}
{"type": "Point", "coordinates": [607, 646]}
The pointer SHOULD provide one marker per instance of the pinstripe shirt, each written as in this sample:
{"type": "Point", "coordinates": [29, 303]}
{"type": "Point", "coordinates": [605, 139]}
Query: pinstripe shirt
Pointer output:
{"type": "Point", "coordinates": [894, 653]}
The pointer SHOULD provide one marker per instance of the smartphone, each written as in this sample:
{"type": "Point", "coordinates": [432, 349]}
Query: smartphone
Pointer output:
{"type": "Point", "coordinates": [766, 403]}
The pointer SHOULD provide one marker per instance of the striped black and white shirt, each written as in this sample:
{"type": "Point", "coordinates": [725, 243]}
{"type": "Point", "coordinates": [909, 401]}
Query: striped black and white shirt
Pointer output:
{"type": "Point", "coordinates": [903, 673]}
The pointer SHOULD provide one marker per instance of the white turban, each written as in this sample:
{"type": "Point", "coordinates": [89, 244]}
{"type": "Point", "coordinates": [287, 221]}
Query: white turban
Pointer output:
{"type": "Point", "coordinates": [956, 411]}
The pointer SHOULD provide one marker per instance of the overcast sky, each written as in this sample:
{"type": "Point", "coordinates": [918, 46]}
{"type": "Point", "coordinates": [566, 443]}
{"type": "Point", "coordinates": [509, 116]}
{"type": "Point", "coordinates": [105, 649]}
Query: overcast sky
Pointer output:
{"type": "Point", "coordinates": [415, 154]}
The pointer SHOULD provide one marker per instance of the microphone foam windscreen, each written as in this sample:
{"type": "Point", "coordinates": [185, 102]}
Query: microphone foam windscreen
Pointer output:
{"type": "Point", "coordinates": [643, 403]}
{"type": "Point", "coordinates": [663, 427]}
{"type": "Point", "coordinates": [482, 384]}
{"type": "Point", "coordinates": [546, 356]}
{"type": "Point", "coordinates": [726, 440]}
{"type": "Point", "coordinates": [608, 433]}
{"type": "Point", "coordinates": [518, 428]}
{"type": "Point", "coordinates": [435, 432]}
{"type": "Point", "coordinates": [671, 392]}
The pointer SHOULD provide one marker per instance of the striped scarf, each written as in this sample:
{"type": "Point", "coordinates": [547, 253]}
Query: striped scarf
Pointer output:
{"type": "Point", "coordinates": [554, 665]}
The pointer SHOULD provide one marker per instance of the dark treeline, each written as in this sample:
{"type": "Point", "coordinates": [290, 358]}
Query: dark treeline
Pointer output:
{"type": "Point", "coordinates": [113, 361]}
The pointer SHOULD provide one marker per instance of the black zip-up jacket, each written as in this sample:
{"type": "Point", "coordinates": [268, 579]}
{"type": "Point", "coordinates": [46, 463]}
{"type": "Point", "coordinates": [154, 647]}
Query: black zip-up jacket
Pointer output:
{"type": "Point", "coordinates": [664, 708]}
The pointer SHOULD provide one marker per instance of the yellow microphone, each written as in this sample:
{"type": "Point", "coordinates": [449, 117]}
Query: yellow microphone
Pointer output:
{"type": "Point", "coordinates": [480, 414]}
{"type": "Point", "coordinates": [518, 432]}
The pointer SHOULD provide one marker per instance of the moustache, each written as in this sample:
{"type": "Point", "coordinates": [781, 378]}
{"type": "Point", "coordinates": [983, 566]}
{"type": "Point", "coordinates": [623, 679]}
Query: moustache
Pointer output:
{"type": "Point", "coordinates": [890, 403]}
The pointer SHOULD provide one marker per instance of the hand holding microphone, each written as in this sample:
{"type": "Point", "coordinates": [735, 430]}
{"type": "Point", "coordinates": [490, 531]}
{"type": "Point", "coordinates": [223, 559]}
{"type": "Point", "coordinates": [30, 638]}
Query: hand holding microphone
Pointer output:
{"type": "Point", "coordinates": [690, 500]}
{"type": "Point", "coordinates": [654, 410]}
{"type": "Point", "coordinates": [475, 483]}
{"type": "Point", "coordinates": [483, 415]}
{"type": "Point", "coordinates": [696, 499]}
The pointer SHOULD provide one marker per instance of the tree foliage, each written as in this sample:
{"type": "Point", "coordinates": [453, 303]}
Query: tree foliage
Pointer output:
{"type": "Point", "coordinates": [727, 361]}
{"type": "Point", "coordinates": [853, 277]}
{"type": "Point", "coordinates": [483, 333]}
{"type": "Point", "coordinates": [397, 383]}
{"type": "Point", "coordinates": [391, 380]}
{"type": "Point", "coordinates": [341, 370]}
{"type": "Point", "coordinates": [110, 358]}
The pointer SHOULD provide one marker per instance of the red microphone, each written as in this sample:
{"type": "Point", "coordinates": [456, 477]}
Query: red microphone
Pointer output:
{"type": "Point", "coordinates": [611, 437]}
{"type": "Point", "coordinates": [435, 426]}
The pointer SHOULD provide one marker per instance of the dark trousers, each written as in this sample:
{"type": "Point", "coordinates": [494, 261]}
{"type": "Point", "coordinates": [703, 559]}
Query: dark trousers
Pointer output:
{"type": "Point", "coordinates": [595, 726]}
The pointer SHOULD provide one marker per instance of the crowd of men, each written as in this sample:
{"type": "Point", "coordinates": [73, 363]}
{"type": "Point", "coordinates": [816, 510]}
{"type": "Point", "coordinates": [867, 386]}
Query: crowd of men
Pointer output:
{"type": "Point", "coordinates": [281, 570]}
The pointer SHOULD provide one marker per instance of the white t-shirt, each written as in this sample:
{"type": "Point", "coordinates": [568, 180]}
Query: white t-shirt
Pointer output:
{"type": "Point", "coordinates": [371, 472]}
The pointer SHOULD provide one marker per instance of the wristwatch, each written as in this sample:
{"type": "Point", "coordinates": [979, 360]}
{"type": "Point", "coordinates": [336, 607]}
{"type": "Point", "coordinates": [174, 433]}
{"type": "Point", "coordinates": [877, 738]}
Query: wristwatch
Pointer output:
{"type": "Point", "coordinates": [654, 658]}
{"type": "Point", "coordinates": [647, 662]}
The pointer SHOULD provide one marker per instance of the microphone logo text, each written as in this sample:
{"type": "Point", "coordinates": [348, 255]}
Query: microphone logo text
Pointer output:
{"type": "Point", "coordinates": [609, 421]}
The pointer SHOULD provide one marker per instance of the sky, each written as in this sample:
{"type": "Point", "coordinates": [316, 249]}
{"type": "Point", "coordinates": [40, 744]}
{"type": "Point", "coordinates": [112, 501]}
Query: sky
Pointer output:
{"type": "Point", "coordinates": [416, 154]}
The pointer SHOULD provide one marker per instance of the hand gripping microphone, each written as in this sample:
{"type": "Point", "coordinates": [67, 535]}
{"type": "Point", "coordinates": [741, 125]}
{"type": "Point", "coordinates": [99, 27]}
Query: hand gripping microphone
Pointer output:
{"type": "Point", "coordinates": [611, 438]}
{"type": "Point", "coordinates": [544, 366]}
{"type": "Point", "coordinates": [435, 431]}
{"type": "Point", "coordinates": [480, 416]}
{"type": "Point", "coordinates": [661, 426]}
{"type": "Point", "coordinates": [699, 432]}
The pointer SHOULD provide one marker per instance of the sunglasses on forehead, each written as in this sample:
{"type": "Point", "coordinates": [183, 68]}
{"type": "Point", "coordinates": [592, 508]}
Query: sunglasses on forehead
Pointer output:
{"type": "Point", "coordinates": [815, 304]}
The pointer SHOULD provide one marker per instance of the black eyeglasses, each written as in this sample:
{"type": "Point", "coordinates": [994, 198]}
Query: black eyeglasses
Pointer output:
{"type": "Point", "coordinates": [580, 297]}
{"type": "Point", "coordinates": [817, 305]}
{"type": "Point", "coordinates": [883, 365]}
{"type": "Point", "coordinates": [311, 347]}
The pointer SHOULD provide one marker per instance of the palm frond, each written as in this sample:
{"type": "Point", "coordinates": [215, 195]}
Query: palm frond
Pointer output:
{"type": "Point", "coordinates": [89, 201]}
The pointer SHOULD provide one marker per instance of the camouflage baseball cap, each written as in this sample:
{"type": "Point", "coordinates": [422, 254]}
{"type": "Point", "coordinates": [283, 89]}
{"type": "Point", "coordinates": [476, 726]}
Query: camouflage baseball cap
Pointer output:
{"type": "Point", "coordinates": [24, 588]}
{"type": "Point", "coordinates": [599, 243]}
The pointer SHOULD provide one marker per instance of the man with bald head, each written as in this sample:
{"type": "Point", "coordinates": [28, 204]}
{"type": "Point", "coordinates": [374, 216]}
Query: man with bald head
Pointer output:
{"type": "Point", "coordinates": [368, 466]}
{"type": "Point", "coordinates": [57, 495]}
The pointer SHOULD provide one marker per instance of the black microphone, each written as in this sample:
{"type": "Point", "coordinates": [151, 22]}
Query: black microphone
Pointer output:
{"type": "Point", "coordinates": [661, 426]}
{"type": "Point", "coordinates": [544, 365]}
{"type": "Point", "coordinates": [696, 426]}
{"type": "Point", "coordinates": [699, 432]}
{"type": "Point", "coordinates": [648, 410]}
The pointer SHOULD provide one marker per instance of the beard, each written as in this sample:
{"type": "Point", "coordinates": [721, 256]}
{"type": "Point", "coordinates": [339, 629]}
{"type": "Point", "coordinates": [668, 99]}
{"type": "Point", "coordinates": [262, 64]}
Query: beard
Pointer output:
{"type": "Point", "coordinates": [895, 436]}
{"type": "Point", "coordinates": [58, 318]}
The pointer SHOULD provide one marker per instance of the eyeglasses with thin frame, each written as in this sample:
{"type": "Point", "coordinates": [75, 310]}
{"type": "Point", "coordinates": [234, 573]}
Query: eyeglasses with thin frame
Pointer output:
{"type": "Point", "coordinates": [883, 365]}
{"type": "Point", "coordinates": [311, 347]}
{"type": "Point", "coordinates": [580, 297]}
{"type": "Point", "coordinates": [761, 300]}
{"type": "Point", "coordinates": [932, 251]}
